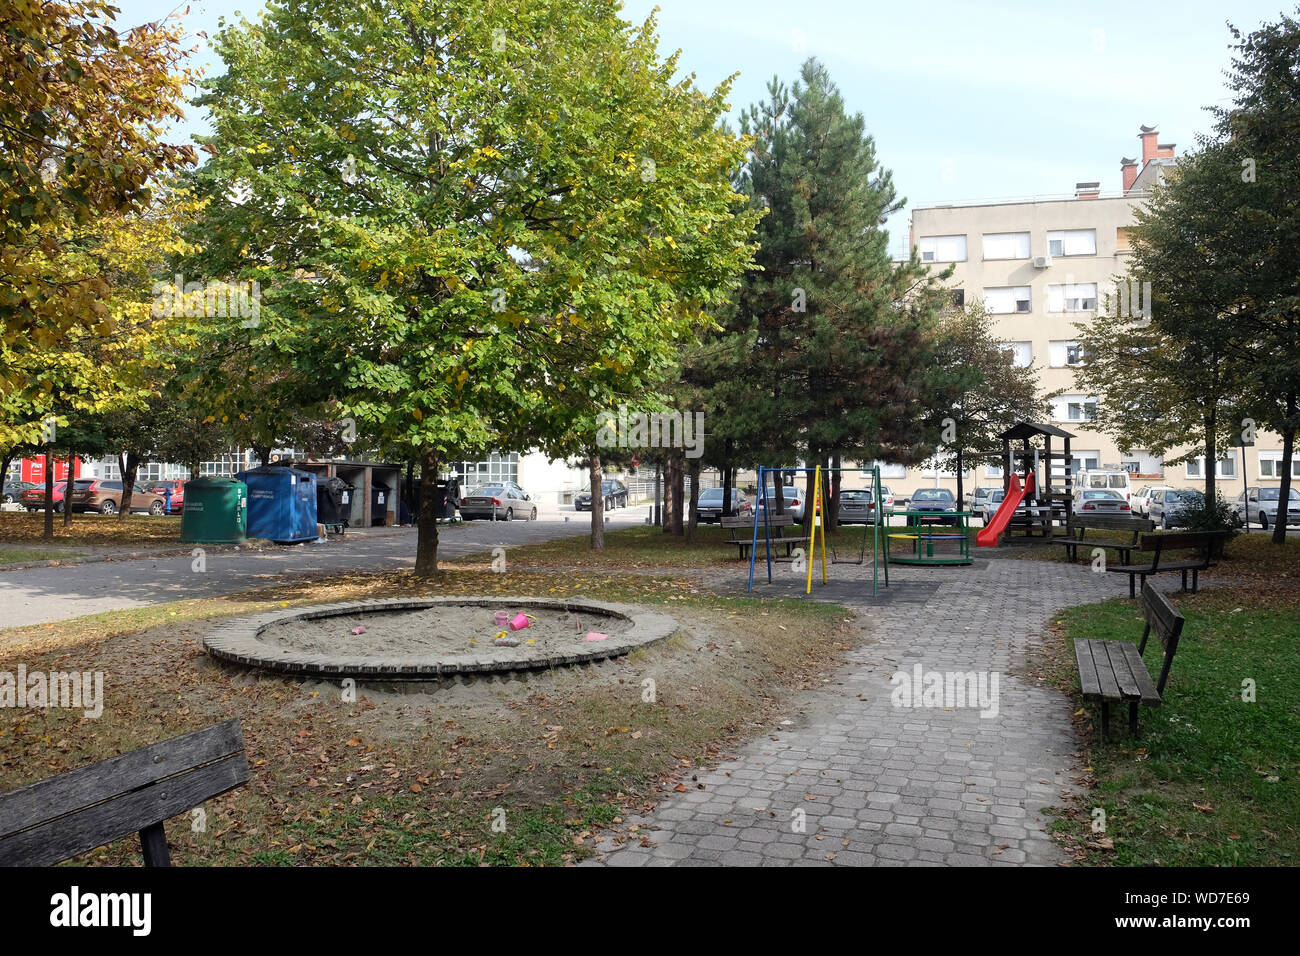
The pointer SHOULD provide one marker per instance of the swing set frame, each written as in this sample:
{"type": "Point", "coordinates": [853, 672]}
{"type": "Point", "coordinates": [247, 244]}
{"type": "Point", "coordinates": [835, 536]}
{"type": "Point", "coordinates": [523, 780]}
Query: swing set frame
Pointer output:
{"type": "Point", "coordinates": [815, 514]}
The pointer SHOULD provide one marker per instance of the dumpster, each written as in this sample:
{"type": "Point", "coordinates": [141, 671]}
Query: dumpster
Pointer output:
{"type": "Point", "coordinates": [215, 511]}
{"type": "Point", "coordinates": [448, 495]}
{"type": "Point", "coordinates": [379, 495]}
{"type": "Point", "coordinates": [281, 503]}
{"type": "Point", "coordinates": [333, 502]}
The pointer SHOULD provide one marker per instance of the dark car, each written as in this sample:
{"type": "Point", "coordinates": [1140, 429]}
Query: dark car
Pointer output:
{"type": "Point", "coordinates": [33, 499]}
{"type": "Point", "coordinates": [940, 501]}
{"type": "Point", "coordinates": [1167, 508]}
{"type": "Point", "coordinates": [711, 505]}
{"type": "Point", "coordinates": [614, 492]}
{"type": "Point", "coordinates": [14, 488]}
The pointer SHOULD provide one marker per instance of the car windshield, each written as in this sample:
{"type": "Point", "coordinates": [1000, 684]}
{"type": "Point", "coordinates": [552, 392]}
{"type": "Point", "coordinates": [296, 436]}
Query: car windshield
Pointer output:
{"type": "Point", "coordinates": [1103, 495]}
{"type": "Point", "coordinates": [856, 495]}
{"type": "Point", "coordinates": [997, 496]}
{"type": "Point", "coordinates": [1273, 494]}
{"type": "Point", "coordinates": [932, 494]}
{"type": "Point", "coordinates": [1191, 496]}
{"type": "Point", "coordinates": [787, 492]}
{"type": "Point", "coordinates": [489, 490]}
{"type": "Point", "coordinates": [711, 494]}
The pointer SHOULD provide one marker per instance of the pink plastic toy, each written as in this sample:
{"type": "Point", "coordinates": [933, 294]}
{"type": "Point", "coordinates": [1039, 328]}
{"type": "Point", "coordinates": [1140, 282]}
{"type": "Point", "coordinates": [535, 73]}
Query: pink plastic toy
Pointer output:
{"type": "Point", "coordinates": [502, 617]}
{"type": "Point", "coordinates": [359, 629]}
{"type": "Point", "coordinates": [519, 622]}
{"type": "Point", "coordinates": [596, 636]}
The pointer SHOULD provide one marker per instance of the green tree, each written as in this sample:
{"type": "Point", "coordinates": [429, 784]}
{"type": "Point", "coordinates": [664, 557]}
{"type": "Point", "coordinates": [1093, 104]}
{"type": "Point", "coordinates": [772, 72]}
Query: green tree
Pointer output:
{"type": "Point", "coordinates": [480, 224]}
{"type": "Point", "coordinates": [990, 393]}
{"type": "Point", "coordinates": [842, 337]}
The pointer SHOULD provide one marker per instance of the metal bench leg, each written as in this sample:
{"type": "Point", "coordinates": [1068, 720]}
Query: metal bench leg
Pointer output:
{"type": "Point", "coordinates": [1133, 718]}
{"type": "Point", "coordinates": [1184, 580]}
{"type": "Point", "coordinates": [1105, 720]}
{"type": "Point", "coordinates": [1132, 591]}
{"type": "Point", "coordinates": [1195, 574]}
{"type": "Point", "coordinates": [153, 843]}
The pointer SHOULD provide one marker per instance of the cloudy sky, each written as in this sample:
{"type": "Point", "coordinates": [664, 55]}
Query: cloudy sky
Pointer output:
{"type": "Point", "coordinates": [966, 100]}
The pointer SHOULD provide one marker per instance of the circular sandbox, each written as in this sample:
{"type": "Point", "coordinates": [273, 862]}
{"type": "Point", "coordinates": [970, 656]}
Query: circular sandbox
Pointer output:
{"type": "Point", "coordinates": [424, 638]}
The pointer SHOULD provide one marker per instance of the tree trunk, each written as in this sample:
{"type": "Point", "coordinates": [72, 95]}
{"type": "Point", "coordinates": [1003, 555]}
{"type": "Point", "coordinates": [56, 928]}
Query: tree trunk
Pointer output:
{"type": "Point", "coordinates": [961, 484]}
{"type": "Point", "coordinates": [694, 501]}
{"type": "Point", "coordinates": [728, 486]}
{"type": "Point", "coordinates": [129, 464]}
{"type": "Point", "coordinates": [48, 533]}
{"type": "Point", "coordinates": [596, 475]}
{"type": "Point", "coordinates": [670, 485]}
{"type": "Point", "coordinates": [67, 491]}
{"type": "Point", "coordinates": [679, 491]}
{"type": "Point", "coordinates": [836, 481]}
{"type": "Point", "coordinates": [1284, 491]}
{"type": "Point", "coordinates": [426, 540]}
{"type": "Point", "coordinates": [263, 453]}
{"type": "Point", "coordinates": [1211, 456]}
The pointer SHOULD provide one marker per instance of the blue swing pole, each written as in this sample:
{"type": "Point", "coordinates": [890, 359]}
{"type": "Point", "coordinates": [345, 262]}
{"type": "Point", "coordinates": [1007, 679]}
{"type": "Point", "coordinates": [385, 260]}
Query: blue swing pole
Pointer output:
{"type": "Point", "coordinates": [753, 546]}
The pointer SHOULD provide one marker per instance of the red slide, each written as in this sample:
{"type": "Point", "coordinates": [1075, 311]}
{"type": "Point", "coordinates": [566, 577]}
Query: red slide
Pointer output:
{"type": "Point", "coordinates": [989, 534]}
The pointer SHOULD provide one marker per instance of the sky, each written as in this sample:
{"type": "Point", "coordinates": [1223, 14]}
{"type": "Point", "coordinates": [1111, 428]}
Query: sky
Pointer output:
{"type": "Point", "coordinates": [966, 100]}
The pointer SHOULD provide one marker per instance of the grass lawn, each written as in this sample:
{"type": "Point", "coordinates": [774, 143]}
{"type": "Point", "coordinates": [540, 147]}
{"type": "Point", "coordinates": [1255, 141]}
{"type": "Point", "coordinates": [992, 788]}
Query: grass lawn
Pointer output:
{"type": "Point", "coordinates": [1211, 780]}
{"type": "Point", "coordinates": [17, 527]}
{"type": "Point", "coordinates": [417, 775]}
{"type": "Point", "coordinates": [27, 555]}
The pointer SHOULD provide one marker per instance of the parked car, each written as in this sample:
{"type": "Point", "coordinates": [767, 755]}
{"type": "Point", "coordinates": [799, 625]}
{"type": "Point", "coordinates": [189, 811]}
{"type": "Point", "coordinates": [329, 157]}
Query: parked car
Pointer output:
{"type": "Point", "coordinates": [888, 497]}
{"type": "Point", "coordinates": [613, 491]}
{"type": "Point", "coordinates": [856, 506]}
{"type": "Point", "coordinates": [793, 497]}
{"type": "Point", "coordinates": [1167, 507]}
{"type": "Point", "coordinates": [938, 500]}
{"type": "Point", "coordinates": [1141, 500]}
{"type": "Point", "coordinates": [1102, 501]}
{"type": "Point", "coordinates": [980, 498]}
{"type": "Point", "coordinates": [104, 496]}
{"type": "Point", "coordinates": [33, 499]}
{"type": "Point", "coordinates": [177, 487]}
{"type": "Point", "coordinates": [14, 488]}
{"type": "Point", "coordinates": [1261, 504]}
{"type": "Point", "coordinates": [995, 502]}
{"type": "Point", "coordinates": [501, 502]}
{"type": "Point", "coordinates": [710, 506]}
{"type": "Point", "coordinates": [1116, 480]}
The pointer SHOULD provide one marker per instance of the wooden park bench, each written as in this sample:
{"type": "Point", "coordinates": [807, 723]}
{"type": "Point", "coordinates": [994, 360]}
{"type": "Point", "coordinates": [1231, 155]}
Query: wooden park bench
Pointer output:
{"type": "Point", "coordinates": [52, 820]}
{"type": "Point", "coordinates": [1207, 544]}
{"type": "Point", "coordinates": [1114, 671]}
{"type": "Point", "coordinates": [742, 533]}
{"type": "Point", "coordinates": [1077, 527]}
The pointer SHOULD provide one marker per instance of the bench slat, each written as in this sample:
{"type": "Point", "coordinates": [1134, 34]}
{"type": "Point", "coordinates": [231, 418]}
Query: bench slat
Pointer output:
{"type": "Point", "coordinates": [1088, 678]}
{"type": "Point", "coordinates": [86, 786]}
{"type": "Point", "coordinates": [72, 834]}
{"type": "Point", "coordinates": [1105, 673]}
{"type": "Point", "coordinates": [1146, 687]}
{"type": "Point", "coordinates": [1121, 667]}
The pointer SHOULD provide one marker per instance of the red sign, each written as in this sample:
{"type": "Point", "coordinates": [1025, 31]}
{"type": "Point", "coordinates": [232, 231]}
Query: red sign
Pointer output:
{"type": "Point", "coordinates": [33, 469]}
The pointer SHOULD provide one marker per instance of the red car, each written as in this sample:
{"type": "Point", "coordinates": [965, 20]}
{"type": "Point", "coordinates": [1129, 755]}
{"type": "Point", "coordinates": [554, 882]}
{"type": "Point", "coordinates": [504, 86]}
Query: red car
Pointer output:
{"type": "Point", "coordinates": [33, 499]}
{"type": "Point", "coordinates": [177, 487]}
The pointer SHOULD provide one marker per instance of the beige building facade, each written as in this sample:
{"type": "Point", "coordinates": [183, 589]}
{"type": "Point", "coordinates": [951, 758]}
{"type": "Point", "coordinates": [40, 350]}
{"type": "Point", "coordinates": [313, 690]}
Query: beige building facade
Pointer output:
{"type": "Point", "coordinates": [1041, 266]}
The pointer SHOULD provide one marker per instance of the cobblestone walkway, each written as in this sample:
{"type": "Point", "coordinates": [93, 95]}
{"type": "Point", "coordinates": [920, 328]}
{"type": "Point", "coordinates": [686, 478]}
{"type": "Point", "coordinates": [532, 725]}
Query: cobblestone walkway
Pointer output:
{"type": "Point", "coordinates": [852, 779]}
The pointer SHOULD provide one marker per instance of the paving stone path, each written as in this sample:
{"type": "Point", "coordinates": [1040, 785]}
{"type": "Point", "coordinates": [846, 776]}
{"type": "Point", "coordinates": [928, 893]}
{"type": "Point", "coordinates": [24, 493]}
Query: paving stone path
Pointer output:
{"type": "Point", "coordinates": [855, 780]}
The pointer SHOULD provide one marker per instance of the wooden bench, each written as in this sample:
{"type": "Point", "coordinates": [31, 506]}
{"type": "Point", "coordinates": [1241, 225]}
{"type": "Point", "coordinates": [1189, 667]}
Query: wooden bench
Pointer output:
{"type": "Point", "coordinates": [1207, 543]}
{"type": "Point", "coordinates": [52, 820]}
{"type": "Point", "coordinates": [1077, 527]}
{"type": "Point", "coordinates": [1114, 671]}
{"type": "Point", "coordinates": [742, 534]}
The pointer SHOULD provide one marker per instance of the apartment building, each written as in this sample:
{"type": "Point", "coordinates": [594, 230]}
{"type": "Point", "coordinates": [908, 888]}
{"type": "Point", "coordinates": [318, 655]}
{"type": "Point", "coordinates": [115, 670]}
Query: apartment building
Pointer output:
{"type": "Point", "coordinates": [1043, 265]}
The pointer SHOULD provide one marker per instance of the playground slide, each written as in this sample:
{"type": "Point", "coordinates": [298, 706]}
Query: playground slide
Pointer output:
{"type": "Point", "coordinates": [989, 534]}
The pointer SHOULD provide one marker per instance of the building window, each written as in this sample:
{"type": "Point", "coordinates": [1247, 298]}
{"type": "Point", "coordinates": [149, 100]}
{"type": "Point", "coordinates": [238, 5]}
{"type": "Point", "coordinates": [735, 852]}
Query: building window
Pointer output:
{"type": "Point", "coordinates": [943, 248]}
{"type": "Point", "coordinates": [1065, 354]}
{"type": "Point", "coordinates": [993, 469]}
{"type": "Point", "coordinates": [1226, 467]}
{"type": "Point", "coordinates": [1084, 461]}
{"type": "Point", "coordinates": [1006, 245]}
{"type": "Point", "coordinates": [1076, 297]}
{"type": "Point", "coordinates": [494, 470]}
{"type": "Point", "coordinates": [958, 297]}
{"type": "Point", "coordinates": [1081, 412]}
{"type": "Point", "coordinates": [1021, 353]}
{"type": "Point", "coordinates": [1270, 465]}
{"type": "Point", "coordinates": [1072, 242]}
{"type": "Point", "coordinates": [1006, 300]}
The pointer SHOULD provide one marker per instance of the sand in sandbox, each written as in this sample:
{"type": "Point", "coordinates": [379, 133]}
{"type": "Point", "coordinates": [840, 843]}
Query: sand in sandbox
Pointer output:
{"type": "Point", "coordinates": [441, 632]}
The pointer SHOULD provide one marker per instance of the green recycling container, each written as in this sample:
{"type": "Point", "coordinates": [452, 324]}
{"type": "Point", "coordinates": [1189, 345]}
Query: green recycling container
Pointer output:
{"type": "Point", "coordinates": [215, 510]}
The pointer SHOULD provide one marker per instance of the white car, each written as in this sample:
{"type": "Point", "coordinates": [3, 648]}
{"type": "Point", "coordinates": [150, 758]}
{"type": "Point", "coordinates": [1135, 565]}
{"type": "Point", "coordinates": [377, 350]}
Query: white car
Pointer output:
{"type": "Point", "coordinates": [1141, 500]}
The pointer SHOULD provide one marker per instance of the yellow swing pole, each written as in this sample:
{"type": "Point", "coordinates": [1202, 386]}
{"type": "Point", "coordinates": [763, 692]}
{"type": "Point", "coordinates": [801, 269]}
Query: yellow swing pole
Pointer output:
{"type": "Point", "coordinates": [816, 522]}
